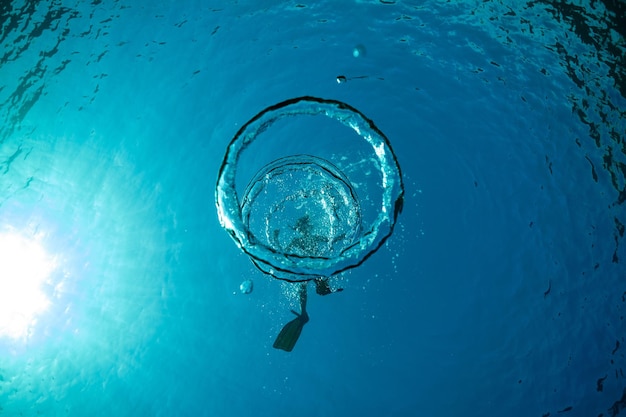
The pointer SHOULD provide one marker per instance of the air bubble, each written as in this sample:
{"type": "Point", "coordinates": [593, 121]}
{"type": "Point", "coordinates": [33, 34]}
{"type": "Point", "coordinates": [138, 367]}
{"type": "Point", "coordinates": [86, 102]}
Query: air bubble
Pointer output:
{"type": "Point", "coordinates": [358, 51]}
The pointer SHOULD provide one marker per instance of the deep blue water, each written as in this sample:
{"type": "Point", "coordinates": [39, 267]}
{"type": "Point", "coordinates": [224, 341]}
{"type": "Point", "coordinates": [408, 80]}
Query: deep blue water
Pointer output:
{"type": "Point", "coordinates": [501, 292]}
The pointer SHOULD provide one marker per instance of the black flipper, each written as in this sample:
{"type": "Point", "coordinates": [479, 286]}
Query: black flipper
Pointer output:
{"type": "Point", "coordinates": [290, 333]}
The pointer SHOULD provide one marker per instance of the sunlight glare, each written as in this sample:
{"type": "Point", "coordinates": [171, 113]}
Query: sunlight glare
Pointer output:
{"type": "Point", "coordinates": [24, 269]}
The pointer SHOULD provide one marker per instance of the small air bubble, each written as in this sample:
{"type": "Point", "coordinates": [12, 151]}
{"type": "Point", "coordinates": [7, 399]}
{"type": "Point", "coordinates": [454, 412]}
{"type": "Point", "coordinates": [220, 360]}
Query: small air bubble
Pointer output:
{"type": "Point", "coordinates": [358, 51]}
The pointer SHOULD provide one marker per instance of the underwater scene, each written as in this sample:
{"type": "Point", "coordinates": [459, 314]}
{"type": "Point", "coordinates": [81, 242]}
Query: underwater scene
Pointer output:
{"type": "Point", "coordinates": [385, 208]}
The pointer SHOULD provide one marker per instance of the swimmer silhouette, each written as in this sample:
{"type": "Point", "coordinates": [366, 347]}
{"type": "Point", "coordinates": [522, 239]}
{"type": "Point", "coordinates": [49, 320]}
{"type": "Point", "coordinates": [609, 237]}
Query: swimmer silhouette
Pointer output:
{"type": "Point", "coordinates": [300, 217]}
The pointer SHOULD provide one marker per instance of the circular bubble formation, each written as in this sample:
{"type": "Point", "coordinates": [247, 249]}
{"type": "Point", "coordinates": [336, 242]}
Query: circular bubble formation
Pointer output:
{"type": "Point", "coordinates": [302, 206]}
{"type": "Point", "coordinates": [300, 216]}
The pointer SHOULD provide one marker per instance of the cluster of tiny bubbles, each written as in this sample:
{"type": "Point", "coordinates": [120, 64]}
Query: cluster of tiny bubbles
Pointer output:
{"type": "Point", "coordinates": [338, 281]}
{"type": "Point", "coordinates": [291, 292]}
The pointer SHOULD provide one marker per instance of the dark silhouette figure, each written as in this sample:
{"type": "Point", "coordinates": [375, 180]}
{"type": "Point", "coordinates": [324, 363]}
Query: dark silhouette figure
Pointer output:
{"type": "Point", "coordinates": [290, 333]}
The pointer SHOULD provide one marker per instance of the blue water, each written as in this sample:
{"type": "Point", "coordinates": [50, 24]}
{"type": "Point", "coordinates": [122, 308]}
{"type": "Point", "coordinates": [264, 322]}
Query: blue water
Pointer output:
{"type": "Point", "coordinates": [501, 292]}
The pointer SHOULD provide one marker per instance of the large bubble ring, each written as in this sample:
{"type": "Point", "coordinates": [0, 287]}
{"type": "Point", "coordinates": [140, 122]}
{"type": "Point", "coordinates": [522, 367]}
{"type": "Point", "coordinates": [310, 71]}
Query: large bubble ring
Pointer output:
{"type": "Point", "coordinates": [301, 216]}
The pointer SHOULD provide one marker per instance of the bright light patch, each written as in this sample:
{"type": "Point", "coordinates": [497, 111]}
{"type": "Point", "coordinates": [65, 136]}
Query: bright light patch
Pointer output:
{"type": "Point", "coordinates": [24, 268]}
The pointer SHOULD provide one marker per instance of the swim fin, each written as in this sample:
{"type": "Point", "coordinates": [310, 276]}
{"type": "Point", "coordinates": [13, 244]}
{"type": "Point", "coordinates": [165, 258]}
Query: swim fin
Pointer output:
{"type": "Point", "coordinates": [290, 333]}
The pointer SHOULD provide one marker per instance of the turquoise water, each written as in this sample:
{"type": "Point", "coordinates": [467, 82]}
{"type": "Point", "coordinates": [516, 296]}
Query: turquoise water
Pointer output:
{"type": "Point", "coordinates": [501, 292]}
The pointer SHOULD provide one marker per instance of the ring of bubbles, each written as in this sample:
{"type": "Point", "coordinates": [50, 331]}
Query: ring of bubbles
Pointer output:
{"type": "Point", "coordinates": [301, 216]}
